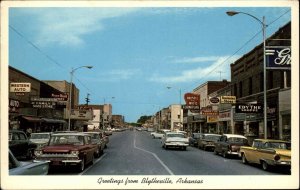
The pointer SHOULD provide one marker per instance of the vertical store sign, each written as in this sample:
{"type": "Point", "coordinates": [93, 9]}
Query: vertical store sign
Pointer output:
{"type": "Point", "coordinates": [278, 57]}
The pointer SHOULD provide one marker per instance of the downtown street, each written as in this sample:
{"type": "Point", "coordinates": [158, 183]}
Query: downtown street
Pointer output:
{"type": "Point", "coordinates": [137, 153]}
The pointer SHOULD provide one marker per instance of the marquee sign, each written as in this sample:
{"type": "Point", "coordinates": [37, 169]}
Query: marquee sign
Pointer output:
{"type": "Point", "coordinates": [278, 57]}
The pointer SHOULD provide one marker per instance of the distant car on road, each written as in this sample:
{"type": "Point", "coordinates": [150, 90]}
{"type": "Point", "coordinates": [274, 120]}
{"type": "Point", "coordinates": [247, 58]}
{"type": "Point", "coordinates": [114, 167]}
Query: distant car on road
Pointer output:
{"type": "Point", "coordinates": [267, 152]}
{"type": "Point", "coordinates": [229, 144]}
{"type": "Point", "coordinates": [159, 134]}
{"type": "Point", "coordinates": [20, 145]}
{"type": "Point", "coordinates": [26, 168]}
{"type": "Point", "coordinates": [174, 139]}
{"type": "Point", "coordinates": [74, 149]}
{"type": "Point", "coordinates": [207, 141]}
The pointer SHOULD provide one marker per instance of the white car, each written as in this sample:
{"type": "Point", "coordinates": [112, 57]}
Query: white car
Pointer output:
{"type": "Point", "coordinates": [174, 139]}
{"type": "Point", "coordinates": [159, 134]}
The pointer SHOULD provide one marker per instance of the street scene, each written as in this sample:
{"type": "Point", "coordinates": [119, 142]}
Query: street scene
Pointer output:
{"type": "Point", "coordinates": [164, 95]}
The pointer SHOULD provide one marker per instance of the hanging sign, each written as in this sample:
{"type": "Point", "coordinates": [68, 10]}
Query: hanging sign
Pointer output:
{"type": "Point", "coordinates": [214, 100]}
{"type": "Point", "coordinates": [278, 57]}
{"type": "Point", "coordinates": [227, 99]}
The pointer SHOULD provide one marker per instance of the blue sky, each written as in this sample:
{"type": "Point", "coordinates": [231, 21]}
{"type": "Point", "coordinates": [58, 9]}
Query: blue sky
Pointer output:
{"type": "Point", "coordinates": [135, 52]}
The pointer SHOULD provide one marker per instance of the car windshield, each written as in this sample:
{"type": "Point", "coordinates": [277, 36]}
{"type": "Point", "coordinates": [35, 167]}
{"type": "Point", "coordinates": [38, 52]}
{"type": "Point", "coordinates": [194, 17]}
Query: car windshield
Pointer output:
{"type": "Point", "coordinates": [212, 137]}
{"type": "Point", "coordinates": [196, 135]}
{"type": "Point", "coordinates": [66, 139]}
{"type": "Point", "coordinates": [279, 145]}
{"type": "Point", "coordinates": [39, 136]}
{"type": "Point", "coordinates": [237, 140]}
{"type": "Point", "coordinates": [175, 135]}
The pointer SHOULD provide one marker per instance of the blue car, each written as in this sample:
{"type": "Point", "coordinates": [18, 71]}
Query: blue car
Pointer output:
{"type": "Point", "coordinates": [26, 168]}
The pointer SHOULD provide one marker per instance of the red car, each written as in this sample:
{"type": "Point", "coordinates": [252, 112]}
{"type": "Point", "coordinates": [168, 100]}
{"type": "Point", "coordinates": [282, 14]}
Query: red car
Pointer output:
{"type": "Point", "coordinates": [68, 149]}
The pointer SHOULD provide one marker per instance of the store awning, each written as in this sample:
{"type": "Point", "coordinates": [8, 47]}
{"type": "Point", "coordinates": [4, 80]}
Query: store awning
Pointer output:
{"type": "Point", "coordinates": [32, 119]}
{"type": "Point", "coordinates": [48, 120]}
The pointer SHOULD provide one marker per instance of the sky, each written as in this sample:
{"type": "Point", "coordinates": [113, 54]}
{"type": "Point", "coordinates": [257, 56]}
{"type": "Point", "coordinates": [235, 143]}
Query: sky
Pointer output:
{"type": "Point", "coordinates": [136, 52]}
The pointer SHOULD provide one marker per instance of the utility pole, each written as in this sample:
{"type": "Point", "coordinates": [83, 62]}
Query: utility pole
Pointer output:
{"type": "Point", "coordinates": [87, 100]}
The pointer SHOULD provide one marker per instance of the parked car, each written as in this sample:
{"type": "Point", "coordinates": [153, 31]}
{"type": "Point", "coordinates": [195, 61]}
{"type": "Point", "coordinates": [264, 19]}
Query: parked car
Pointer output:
{"type": "Point", "coordinates": [159, 134]}
{"type": "Point", "coordinates": [174, 139]}
{"type": "Point", "coordinates": [97, 138]}
{"type": "Point", "coordinates": [40, 139]}
{"type": "Point", "coordinates": [108, 132]}
{"type": "Point", "coordinates": [267, 152]}
{"type": "Point", "coordinates": [229, 144]}
{"type": "Point", "coordinates": [207, 141]}
{"type": "Point", "coordinates": [193, 140]}
{"type": "Point", "coordinates": [20, 145]}
{"type": "Point", "coordinates": [74, 149]}
{"type": "Point", "coordinates": [26, 168]}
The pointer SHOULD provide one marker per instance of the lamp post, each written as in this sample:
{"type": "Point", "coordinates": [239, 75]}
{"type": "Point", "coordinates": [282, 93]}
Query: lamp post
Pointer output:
{"type": "Point", "coordinates": [232, 13]}
{"type": "Point", "coordinates": [169, 87]}
{"type": "Point", "coordinates": [70, 98]}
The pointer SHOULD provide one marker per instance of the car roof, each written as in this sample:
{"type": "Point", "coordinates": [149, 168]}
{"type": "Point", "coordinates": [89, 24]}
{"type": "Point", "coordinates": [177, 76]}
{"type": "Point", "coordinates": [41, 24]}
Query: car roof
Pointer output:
{"type": "Point", "coordinates": [234, 135]}
{"type": "Point", "coordinates": [174, 132]}
{"type": "Point", "coordinates": [211, 134]}
{"type": "Point", "coordinates": [271, 140]}
{"type": "Point", "coordinates": [69, 134]}
{"type": "Point", "coordinates": [42, 133]}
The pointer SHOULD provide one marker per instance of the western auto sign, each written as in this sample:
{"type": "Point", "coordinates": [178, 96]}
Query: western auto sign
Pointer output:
{"type": "Point", "coordinates": [19, 87]}
{"type": "Point", "coordinates": [278, 57]}
{"type": "Point", "coordinates": [192, 101]}
{"type": "Point", "coordinates": [227, 99]}
{"type": "Point", "coordinates": [248, 108]}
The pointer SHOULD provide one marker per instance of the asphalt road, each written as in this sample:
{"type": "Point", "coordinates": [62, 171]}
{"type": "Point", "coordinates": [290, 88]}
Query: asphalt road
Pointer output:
{"type": "Point", "coordinates": [137, 153]}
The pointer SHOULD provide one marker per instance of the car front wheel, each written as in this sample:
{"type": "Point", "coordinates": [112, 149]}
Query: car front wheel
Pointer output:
{"type": "Point", "coordinates": [244, 160]}
{"type": "Point", "coordinates": [265, 165]}
{"type": "Point", "coordinates": [81, 166]}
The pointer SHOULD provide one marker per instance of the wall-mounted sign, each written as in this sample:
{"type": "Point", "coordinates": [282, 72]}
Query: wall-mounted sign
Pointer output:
{"type": "Point", "coordinates": [60, 97]}
{"type": "Point", "coordinates": [19, 87]}
{"type": "Point", "coordinates": [214, 100]}
{"type": "Point", "coordinates": [248, 108]}
{"type": "Point", "coordinates": [210, 112]}
{"type": "Point", "coordinates": [14, 106]}
{"type": "Point", "coordinates": [227, 99]}
{"type": "Point", "coordinates": [192, 99]}
{"type": "Point", "coordinates": [278, 57]}
{"type": "Point", "coordinates": [42, 103]}
{"type": "Point", "coordinates": [79, 114]}
{"type": "Point", "coordinates": [212, 119]}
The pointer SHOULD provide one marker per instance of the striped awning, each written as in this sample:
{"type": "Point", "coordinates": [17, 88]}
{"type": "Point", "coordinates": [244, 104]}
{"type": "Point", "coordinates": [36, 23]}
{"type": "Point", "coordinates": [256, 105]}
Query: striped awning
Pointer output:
{"type": "Point", "coordinates": [32, 119]}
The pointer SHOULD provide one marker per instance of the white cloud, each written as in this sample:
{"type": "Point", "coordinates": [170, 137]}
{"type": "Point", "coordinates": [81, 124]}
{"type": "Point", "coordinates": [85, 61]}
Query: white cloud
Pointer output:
{"type": "Point", "coordinates": [221, 64]}
{"type": "Point", "coordinates": [114, 75]}
{"type": "Point", "coordinates": [196, 59]}
{"type": "Point", "coordinates": [67, 26]}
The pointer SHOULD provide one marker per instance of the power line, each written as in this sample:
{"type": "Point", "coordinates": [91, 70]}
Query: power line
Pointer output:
{"type": "Point", "coordinates": [246, 43]}
{"type": "Point", "coordinates": [45, 54]}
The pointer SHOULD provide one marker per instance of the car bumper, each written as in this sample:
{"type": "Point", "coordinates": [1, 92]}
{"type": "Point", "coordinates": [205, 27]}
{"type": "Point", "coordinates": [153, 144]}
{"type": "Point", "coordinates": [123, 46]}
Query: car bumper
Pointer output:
{"type": "Point", "coordinates": [281, 163]}
{"type": "Point", "coordinates": [63, 160]}
{"type": "Point", "coordinates": [176, 144]}
{"type": "Point", "coordinates": [233, 153]}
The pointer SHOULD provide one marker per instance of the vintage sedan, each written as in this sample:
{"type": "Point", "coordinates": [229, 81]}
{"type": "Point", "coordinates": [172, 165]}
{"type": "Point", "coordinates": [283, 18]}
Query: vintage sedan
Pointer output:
{"type": "Point", "coordinates": [74, 149]}
{"type": "Point", "coordinates": [207, 141]}
{"type": "Point", "coordinates": [98, 139]}
{"type": "Point", "coordinates": [26, 168]}
{"type": "Point", "coordinates": [193, 139]}
{"type": "Point", "coordinates": [267, 152]}
{"type": "Point", "coordinates": [20, 145]}
{"type": "Point", "coordinates": [40, 139]}
{"type": "Point", "coordinates": [229, 144]}
{"type": "Point", "coordinates": [174, 139]}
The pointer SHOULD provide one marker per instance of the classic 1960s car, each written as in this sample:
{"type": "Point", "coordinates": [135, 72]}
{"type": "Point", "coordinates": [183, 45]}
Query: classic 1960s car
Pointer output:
{"type": "Point", "coordinates": [174, 139]}
{"type": "Point", "coordinates": [229, 144]}
{"type": "Point", "coordinates": [20, 145]}
{"type": "Point", "coordinates": [40, 139]}
{"type": "Point", "coordinates": [99, 140]}
{"type": "Point", "coordinates": [267, 152]}
{"type": "Point", "coordinates": [207, 141]}
{"type": "Point", "coordinates": [68, 149]}
{"type": "Point", "coordinates": [26, 168]}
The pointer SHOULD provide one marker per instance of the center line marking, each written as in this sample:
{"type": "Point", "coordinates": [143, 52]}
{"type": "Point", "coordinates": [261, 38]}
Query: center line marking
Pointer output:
{"type": "Point", "coordinates": [155, 156]}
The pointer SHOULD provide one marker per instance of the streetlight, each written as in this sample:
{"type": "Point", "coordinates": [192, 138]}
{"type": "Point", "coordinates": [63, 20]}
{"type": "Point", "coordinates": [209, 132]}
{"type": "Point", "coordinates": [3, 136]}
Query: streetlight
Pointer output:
{"type": "Point", "coordinates": [232, 13]}
{"type": "Point", "coordinates": [70, 98]}
{"type": "Point", "coordinates": [169, 87]}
